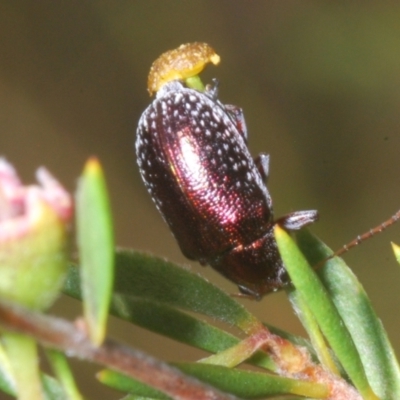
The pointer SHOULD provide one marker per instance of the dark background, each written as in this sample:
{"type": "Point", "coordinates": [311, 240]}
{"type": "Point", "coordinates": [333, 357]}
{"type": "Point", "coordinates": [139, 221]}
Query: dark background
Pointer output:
{"type": "Point", "coordinates": [319, 82]}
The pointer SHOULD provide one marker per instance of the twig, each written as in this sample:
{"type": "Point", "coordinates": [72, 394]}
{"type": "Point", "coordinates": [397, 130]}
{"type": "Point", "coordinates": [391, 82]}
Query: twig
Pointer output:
{"type": "Point", "coordinates": [59, 334]}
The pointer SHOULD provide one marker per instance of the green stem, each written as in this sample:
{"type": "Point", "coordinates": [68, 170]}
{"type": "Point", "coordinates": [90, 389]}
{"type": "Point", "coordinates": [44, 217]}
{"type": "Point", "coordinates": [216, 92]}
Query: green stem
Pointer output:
{"type": "Point", "coordinates": [194, 82]}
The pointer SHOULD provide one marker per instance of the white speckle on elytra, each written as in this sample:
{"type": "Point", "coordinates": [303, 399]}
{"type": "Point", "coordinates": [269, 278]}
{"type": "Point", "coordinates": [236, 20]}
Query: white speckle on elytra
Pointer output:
{"type": "Point", "coordinates": [178, 98]}
{"type": "Point", "coordinates": [193, 98]}
{"type": "Point", "coordinates": [219, 152]}
{"type": "Point", "coordinates": [188, 106]}
{"type": "Point", "coordinates": [238, 184]}
{"type": "Point", "coordinates": [153, 125]}
{"type": "Point", "coordinates": [217, 116]}
{"type": "Point", "coordinates": [226, 146]}
{"type": "Point", "coordinates": [208, 133]}
{"type": "Point", "coordinates": [175, 113]}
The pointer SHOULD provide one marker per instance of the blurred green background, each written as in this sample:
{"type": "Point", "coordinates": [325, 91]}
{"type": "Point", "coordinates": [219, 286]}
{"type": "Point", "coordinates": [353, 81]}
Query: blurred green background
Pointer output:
{"type": "Point", "coordinates": [319, 82]}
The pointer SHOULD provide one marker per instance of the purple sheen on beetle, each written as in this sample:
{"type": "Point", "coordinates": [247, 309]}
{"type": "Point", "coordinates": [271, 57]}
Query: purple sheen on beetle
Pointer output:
{"type": "Point", "coordinates": [193, 157]}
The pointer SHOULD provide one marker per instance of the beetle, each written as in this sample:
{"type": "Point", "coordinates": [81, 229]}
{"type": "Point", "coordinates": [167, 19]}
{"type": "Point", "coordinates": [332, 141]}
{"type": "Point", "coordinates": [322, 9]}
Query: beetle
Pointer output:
{"type": "Point", "coordinates": [193, 158]}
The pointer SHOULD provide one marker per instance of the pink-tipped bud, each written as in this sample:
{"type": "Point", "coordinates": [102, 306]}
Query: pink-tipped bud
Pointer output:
{"type": "Point", "coordinates": [33, 237]}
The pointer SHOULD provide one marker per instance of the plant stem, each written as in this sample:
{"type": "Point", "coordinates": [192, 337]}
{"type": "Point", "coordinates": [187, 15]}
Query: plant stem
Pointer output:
{"type": "Point", "coordinates": [59, 334]}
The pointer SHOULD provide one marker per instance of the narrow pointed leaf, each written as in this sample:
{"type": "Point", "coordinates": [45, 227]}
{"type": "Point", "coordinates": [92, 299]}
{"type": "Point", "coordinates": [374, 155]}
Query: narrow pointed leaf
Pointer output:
{"type": "Point", "coordinates": [168, 321]}
{"type": "Point", "coordinates": [123, 383]}
{"type": "Point", "coordinates": [317, 299]}
{"type": "Point", "coordinates": [53, 389]}
{"type": "Point", "coordinates": [355, 308]}
{"type": "Point", "coordinates": [396, 251]}
{"type": "Point", "coordinates": [245, 384]}
{"type": "Point", "coordinates": [240, 352]}
{"type": "Point", "coordinates": [5, 385]}
{"type": "Point", "coordinates": [314, 332]}
{"type": "Point", "coordinates": [7, 382]}
{"type": "Point", "coordinates": [96, 248]}
{"type": "Point", "coordinates": [22, 352]}
{"type": "Point", "coordinates": [64, 374]}
{"type": "Point", "coordinates": [154, 278]}
{"type": "Point", "coordinates": [180, 326]}
{"type": "Point", "coordinates": [249, 384]}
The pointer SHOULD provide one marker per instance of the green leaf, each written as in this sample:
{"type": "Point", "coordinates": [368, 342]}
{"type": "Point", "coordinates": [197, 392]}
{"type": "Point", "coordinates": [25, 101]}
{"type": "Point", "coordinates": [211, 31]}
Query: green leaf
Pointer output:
{"type": "Point", "coordinates": [123, 383]}
{"type": "Point", "coordinates": [314, 332]}
{"type": "Point", "coordinates": [22, 352]}
{"type": "Point", "coordinates": [179, 326]}
{"type": "Point", "coordinates": [329, 320]}
{"type": "Point", "coordinates": [154, 278]}
{"type": "Point", "coordinates": [96, 248]}
{"type": "Point", "coordinates": [396, 251]}
{"type": "Point", "coordinates": [169, 321]}
{"type": "Point", "coordinates": [7, 383]}
{"type": "Point", "coordinates": [53, 389]}
{"type": "Point", "coordinates": [249, 384]}
{"type": "Point", "coordinates": [246, 384]}
{"type": "Point", "coordinates": [355, 308]}
{"type": "Point", "coordinates": [64, 374]}
{"type": "Point", "coordinates": [162, 280]}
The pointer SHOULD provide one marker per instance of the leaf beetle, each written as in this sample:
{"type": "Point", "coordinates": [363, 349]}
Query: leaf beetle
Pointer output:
{"type": "Point", "coordinates": [193, 157]}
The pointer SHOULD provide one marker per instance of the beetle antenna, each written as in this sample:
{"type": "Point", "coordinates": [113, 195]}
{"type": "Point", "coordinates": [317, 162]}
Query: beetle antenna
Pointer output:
{"type": "Point", "coordinates": [361, 238]}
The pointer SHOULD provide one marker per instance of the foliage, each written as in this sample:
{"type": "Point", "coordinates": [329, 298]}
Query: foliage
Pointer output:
{"type": "Point", "coordinates": [347, 355]}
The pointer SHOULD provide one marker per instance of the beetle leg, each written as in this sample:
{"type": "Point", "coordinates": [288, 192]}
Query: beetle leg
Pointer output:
{"type": "Point", "coordinates": [212, 89]}
{"type": "Point", "coordinates": [237, 115]}
{"type": "Point", "coordinates": [298, 219]}
{"type": "Point", "coordinates": [246, 293]}
{"type": "Point", "coordinates": [262, 164]}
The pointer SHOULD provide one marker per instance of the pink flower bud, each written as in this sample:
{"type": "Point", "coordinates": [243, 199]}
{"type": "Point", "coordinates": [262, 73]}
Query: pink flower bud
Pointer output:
{"type": "Point", "coordinates": [33, 237]}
